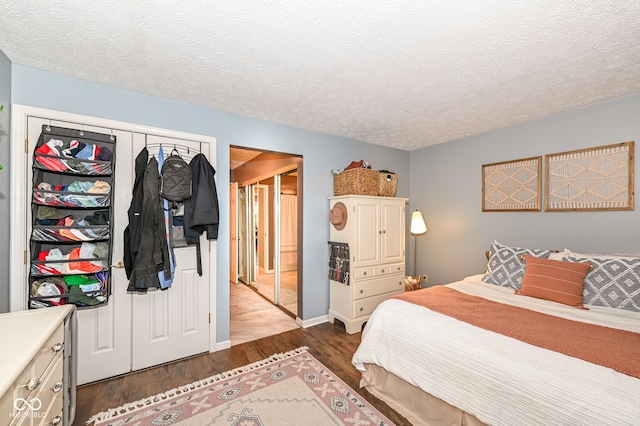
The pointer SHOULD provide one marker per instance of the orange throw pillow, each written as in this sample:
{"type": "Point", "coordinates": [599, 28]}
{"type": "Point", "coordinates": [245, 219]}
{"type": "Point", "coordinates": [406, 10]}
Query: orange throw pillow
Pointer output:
{"type": "Point", "coordinates": [561, 282]}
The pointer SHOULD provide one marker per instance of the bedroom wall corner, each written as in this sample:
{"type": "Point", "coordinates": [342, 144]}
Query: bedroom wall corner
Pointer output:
{"type": "Point", "coordinates": [446, 185]}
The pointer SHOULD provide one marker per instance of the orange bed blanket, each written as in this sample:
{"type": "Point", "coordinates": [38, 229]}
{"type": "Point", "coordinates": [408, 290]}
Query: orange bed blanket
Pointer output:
{"type": "Point", "coordinates": [609, 347]}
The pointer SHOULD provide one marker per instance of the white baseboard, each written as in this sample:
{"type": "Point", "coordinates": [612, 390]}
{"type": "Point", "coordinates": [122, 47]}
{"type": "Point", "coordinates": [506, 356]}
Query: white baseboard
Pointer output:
{"type": "Point", "coordinates": [222, 345]}
{"type": "Point", "coordinates": [313, 321]}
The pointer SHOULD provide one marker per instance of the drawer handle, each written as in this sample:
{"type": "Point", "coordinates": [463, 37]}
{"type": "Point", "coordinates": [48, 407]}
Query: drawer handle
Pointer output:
{"type": "Point", "coordinates": [364, 273]}
{"type": "Point", "coordinates": [399, 282]}
{"type": "Point", "coordinates": [32, 384]}
{"type": "Point", "coordinates": [57, 387]}
{"type": "Point", "coordinates": [56, 420]}
{"type": "Point", "coordinates": [361, 309]}
{"type": "Point", "coordinates": [383, 271]}
{"type": "Point", "coordinates": [361, 291]}
{"type": "Point", "coordinates": [57, 347]}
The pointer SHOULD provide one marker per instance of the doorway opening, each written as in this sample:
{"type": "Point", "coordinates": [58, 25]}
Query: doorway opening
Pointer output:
{"type": "Point", "coordinates": [266, 231]}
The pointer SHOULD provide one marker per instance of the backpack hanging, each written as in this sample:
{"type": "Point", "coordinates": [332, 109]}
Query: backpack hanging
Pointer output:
{"type": "Point", "coordinates": [176, 179]}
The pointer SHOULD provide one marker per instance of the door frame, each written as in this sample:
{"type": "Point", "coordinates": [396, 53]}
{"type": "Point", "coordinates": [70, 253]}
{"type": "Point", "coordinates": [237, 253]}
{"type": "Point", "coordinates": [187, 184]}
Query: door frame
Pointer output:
{"type": "Point", "coordinates": [20, 190]}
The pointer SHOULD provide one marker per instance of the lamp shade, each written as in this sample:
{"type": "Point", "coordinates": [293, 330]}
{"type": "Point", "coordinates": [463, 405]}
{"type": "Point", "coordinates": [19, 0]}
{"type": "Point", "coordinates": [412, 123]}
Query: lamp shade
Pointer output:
{"type": "Point", "coordinates": [417, 223]}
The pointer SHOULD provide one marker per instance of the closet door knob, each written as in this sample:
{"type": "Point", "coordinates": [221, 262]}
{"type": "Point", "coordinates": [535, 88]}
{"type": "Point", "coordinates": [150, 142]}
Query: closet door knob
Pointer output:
{"type": "Point", "coordinates": [119, 265]}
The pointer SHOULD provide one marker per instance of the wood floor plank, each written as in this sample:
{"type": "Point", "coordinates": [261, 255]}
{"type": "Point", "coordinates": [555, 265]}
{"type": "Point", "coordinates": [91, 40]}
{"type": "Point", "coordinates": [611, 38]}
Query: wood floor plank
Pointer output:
{"type": "Point", "coordinates": [329, 343]}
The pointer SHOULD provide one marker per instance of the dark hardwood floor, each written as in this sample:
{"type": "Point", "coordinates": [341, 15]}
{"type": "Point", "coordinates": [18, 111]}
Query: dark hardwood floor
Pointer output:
{"type": "Point", "coordinates": [329, 343]}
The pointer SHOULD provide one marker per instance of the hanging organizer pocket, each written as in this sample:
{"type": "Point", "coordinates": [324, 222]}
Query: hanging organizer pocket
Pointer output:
{"type": "Point", "coordinates": [72, 165]}
{"type": "Point", "coordinates": [81, 290]}
{"type": "Point", "coordinates": [71, 231]}
{"type": "Point", "coordinates": [339, 262]}
{"type": "Point", "coordinates": [70, 225]}
{"type": "Point", "coordinates": [72, 151]}
{"type": "Point", "coordinates": [69, 259]}
{"type": "Point", "coordinates": [70, 199]}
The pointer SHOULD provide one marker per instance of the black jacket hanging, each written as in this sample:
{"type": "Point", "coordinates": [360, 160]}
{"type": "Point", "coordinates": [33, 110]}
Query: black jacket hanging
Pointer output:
{"type": "Point", "coordinates": [132, 231]}
{"type": "Point", "coordinates": [201, 212]}
{"type": "Point", "coordinates": [154, 257]}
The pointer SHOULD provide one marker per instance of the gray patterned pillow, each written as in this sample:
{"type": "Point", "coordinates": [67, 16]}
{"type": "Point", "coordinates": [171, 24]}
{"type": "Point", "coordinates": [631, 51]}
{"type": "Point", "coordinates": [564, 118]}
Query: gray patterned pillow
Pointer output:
{"type": "Point", "coordinates": [612, 282]}
{"type": "Point", "coordinates": [505, 267]}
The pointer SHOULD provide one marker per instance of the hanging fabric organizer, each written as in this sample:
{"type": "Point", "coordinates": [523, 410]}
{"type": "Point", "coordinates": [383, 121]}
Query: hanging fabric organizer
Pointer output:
{"type": "Point", "coordinates": [71, 210]}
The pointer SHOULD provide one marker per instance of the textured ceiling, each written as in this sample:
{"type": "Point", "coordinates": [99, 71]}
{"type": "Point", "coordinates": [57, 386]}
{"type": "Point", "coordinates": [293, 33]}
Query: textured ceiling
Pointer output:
{"type": "Point", "coordinates": [405, 74]}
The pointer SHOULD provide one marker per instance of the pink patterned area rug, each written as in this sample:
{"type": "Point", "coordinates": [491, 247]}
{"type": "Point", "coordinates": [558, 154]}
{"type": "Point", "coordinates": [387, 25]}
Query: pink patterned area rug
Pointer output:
{"type": "Point", "coordinates": [291, 388]}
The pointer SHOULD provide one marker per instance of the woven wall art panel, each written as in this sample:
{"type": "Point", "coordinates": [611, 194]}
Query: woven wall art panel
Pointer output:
{"type": "Point", "coordinates": [598, 178]}
{"type": "Point", "coordinates": [512, 185]}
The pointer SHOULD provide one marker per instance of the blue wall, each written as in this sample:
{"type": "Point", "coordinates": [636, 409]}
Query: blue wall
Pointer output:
{"type": "Point", "coordinates": [446, 185]}
{"type": "Point", "coordinates": [321, 153]}
{"type": "Point", "coordinates": [5, 125]}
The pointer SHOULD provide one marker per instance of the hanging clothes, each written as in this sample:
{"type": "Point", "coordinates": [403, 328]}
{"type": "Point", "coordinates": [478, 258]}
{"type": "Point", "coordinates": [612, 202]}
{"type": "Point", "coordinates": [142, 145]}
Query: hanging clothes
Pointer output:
{"type": "Point", "coordinates": [201, 211]}
{"type": "Point", "coordinates": [166, 282]}
{"type": "Point", "coordinates": [154, 257]}
{"type": "Point", "coordinates": [132, 231]}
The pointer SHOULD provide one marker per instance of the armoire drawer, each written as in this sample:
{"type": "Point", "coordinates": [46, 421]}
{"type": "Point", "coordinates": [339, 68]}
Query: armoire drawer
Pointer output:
{"type": "Point", "coordinates": [396, 268]}
{"type": "Point", "coordinates": [362, 273]}
{"type": "Point", "coordinates": [366, 306]}
{"type": "Point", "coordinates": [376, 286]}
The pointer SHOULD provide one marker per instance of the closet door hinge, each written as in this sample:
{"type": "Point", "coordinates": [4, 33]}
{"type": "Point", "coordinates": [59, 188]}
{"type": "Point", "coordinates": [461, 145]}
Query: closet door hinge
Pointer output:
{"type": "Point", "coordinates": [209, 318]}
{"type": "Point", "coordinates": [25, 257]}
{"type": "Point", "coordinates": [26, 146]}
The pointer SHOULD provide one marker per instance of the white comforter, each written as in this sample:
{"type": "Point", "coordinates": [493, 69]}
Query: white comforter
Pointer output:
{"type": "Point", "coordinates": [500, 380]}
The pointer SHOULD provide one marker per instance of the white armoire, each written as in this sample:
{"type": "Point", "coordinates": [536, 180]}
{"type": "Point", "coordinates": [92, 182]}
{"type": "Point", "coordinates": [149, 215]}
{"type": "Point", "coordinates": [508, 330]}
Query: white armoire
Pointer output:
{"type": "Point", "coordinates": [374, 230]}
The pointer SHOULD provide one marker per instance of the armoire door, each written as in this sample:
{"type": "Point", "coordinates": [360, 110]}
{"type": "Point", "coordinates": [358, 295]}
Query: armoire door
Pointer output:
{"type": "Point", "coordinates": [367, 231]}
{"type": "Point", "coordinates": [393, 231]}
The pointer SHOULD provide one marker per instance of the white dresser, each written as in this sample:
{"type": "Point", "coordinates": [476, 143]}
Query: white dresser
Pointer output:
{"type": "Point", "coordinates": [375, 232]}
{"type": "Point", "coordinates": [37, 381]}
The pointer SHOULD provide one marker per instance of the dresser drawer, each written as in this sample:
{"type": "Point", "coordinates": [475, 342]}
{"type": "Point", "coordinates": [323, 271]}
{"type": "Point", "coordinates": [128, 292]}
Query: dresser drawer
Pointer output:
{"type": "Point", "coordinates": [55, 414]}
{"type": "Point", "coordinates": [52, 385]}
{"type": "Point", "coordinates": [53, 347]}
{"type": "Point", "coordinates": [33, 386]}
{"type": "Point", "coordinates": [376, 286]}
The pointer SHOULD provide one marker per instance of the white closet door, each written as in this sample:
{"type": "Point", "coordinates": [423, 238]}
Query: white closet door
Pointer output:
{"type": "Point", "coordinates": [132, 331]}
{"type": "Point", "coordinates": [104, 343]}
{"type": "Point", "coordinates": [173, 323]}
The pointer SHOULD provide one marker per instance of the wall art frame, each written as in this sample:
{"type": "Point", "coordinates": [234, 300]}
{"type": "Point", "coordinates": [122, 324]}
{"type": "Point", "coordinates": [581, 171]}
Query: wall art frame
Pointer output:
{"type": "Point", "coordinates": [591, 179]}
{"type": "Point", "coordinates": [512, 186]}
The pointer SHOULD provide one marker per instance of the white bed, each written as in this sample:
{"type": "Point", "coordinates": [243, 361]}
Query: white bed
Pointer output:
{"type": "Point", "coordinates": [497, 379]}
